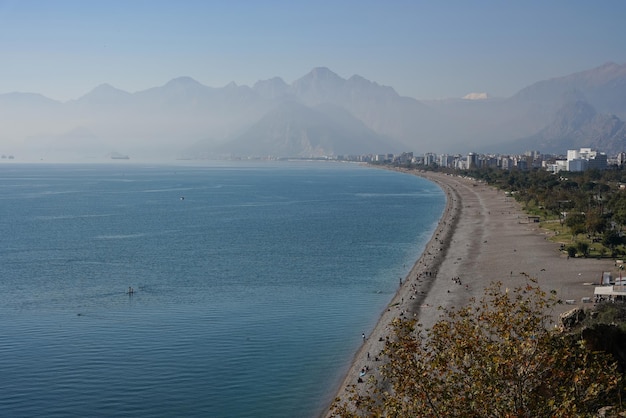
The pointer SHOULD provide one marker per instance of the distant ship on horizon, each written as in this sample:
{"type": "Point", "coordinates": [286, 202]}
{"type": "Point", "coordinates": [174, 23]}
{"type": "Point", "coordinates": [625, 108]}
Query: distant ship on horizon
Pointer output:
{"type": "Point", "coordinates": [118, 156]}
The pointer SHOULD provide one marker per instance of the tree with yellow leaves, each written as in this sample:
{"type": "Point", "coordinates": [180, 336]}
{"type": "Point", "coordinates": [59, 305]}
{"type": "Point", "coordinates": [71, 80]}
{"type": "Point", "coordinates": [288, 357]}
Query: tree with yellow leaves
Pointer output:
{"type": "Point", "coordinates": [497, 357]}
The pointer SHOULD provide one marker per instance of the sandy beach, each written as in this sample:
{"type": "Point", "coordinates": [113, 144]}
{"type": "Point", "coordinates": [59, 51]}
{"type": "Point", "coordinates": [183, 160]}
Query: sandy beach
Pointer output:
{"type": "Point", "coordinates": [483, 236]}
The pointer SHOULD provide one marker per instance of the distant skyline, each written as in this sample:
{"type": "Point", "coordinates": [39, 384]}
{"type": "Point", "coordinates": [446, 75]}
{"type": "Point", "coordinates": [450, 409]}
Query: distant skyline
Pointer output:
{"type": "Point", "coordinates": [425, 50]}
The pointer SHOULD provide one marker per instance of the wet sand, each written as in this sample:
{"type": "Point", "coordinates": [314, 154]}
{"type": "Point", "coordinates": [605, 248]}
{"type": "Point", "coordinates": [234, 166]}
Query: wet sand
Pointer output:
{"type": "Point", "coordinates": [482, 237]}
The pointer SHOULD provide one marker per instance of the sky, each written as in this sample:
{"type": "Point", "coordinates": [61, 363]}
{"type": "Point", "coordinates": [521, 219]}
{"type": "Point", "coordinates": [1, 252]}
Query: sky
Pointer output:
{"type": "Point", "coordinates": [423, 49]}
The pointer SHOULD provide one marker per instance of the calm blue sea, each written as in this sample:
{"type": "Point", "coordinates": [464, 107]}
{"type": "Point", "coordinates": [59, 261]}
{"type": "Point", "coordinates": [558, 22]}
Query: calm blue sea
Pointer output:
{"type": "Point", "coordinates": [253, 283]}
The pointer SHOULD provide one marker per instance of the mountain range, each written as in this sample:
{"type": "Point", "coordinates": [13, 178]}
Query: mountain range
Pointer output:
{"type": "Point", "coordinates": [319, 114]}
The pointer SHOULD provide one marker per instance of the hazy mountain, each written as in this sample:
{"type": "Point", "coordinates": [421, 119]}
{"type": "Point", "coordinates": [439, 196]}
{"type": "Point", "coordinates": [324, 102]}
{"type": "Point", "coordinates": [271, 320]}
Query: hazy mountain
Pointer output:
{"type": "Point", "coordinates": [104, 95]}
{"type": "Point", "coordinates": [292, 129]}
{"type": "Point", "coordinates": [604, 87]}
{"type": "Point", "coordinates": [550, 114]}
{"type": "Point", "coordinates": [363, 118]}
{"type": "Point", "coordinates": [379, 107]}
{"type": "Point", "coordinates": [77, 143]}
{"type": "Point", "coordinates": [577, 124]}
{"type": "Point", "coordinates": [26, 101]}
{"type": "Point", "coordinates": [320, 113]}
{"type": "Point", "coordinates": [23, 115]}
{"type": "Point", "coordinates": [319, 86]}
{"type": "Point", "coordinates": [272, 89]}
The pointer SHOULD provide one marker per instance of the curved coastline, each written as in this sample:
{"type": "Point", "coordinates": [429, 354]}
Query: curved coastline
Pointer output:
{"type": "Point", "coordinates": [482, 236]}
{"type": "Point", "coordinates": [411, 295]}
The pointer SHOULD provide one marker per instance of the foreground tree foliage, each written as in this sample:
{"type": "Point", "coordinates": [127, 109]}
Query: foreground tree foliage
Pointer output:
{"type": "Point", "coordinates": [496, 357]}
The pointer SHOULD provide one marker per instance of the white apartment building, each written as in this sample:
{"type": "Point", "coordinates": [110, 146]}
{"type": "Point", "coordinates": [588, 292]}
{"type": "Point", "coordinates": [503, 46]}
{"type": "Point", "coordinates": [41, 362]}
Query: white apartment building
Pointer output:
{"type": "Point", "coordinates": [581, 160]}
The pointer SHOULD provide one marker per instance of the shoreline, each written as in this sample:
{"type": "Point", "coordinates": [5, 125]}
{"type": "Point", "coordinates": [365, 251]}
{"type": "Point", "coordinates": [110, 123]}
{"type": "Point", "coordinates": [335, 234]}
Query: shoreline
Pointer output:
{"type": "Point", "coordinates": [482, 236]}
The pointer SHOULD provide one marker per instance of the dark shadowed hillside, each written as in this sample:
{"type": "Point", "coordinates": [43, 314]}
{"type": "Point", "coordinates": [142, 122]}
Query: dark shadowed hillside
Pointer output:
{"type": "Point", "coordinates": [295, 130]}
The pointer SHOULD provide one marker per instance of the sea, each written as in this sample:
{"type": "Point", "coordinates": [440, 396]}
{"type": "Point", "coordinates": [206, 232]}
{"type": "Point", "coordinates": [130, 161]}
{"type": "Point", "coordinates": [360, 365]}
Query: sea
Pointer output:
{"type": "Point", "coordinates": [252, 283]}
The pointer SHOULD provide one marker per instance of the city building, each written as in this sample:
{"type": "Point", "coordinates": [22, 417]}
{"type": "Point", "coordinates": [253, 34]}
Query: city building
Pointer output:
{"type": "Point", "coordinates": [585, 158]}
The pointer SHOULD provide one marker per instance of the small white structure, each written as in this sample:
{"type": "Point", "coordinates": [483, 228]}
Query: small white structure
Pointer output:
{"type": "Point", "coordinates": [610, 292]}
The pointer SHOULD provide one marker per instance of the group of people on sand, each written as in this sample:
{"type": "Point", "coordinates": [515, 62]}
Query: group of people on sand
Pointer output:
{"type": "Point", "coordinates": [457, 280]}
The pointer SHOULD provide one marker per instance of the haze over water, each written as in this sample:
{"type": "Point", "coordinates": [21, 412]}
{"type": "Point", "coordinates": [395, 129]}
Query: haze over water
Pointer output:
{"type": "Point", "coordinates": [253, 283]}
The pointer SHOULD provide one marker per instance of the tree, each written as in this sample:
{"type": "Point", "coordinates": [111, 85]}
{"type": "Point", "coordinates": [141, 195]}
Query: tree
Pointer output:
{"type": "Point", "coordinates": [571, 251]}
{"type": "Point", "coordinates": [595, 222]}
{"type": "Point", "coordinates": [583, 248]}
{"type": "Point", "coordinates": [576, 222]}
{"type": "Point", "coordinates": [493, 358]}
{"type": "Point", "coordinates": [617, 204]}
{"type": "Point", "coordinates": [612, 239]}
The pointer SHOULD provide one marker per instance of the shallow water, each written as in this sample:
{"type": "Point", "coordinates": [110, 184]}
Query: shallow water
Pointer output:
{"type": "Point", "coordinates": [253, 283]}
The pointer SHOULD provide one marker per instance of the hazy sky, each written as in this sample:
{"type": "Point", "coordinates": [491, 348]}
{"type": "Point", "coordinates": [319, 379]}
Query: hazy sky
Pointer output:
{"type": "Point", "coordinates": [424, 49]}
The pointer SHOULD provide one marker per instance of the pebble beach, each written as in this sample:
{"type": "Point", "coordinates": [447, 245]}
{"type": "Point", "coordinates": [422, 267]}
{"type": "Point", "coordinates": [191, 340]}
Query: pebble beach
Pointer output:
{"type": "Point", "coordinates": [483, 236]}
